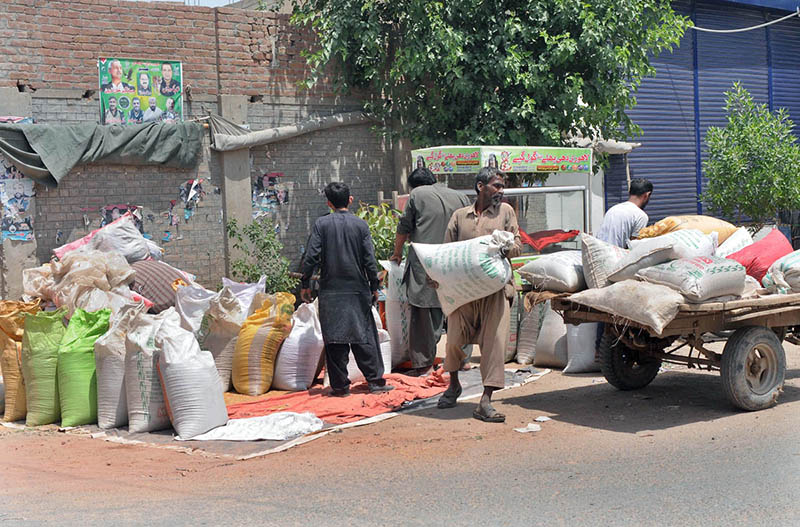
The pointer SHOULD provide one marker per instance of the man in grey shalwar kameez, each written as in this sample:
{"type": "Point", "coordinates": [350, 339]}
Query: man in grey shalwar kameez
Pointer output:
{"type": "Point", "coordinates": [424, 220]}
{"type": "Point", "coordinates": [341, 246]}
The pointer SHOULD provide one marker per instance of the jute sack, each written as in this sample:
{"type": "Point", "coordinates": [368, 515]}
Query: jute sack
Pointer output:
{"type": "Point", "coordinates": [599, 260]}
{"type": "Point", "coordinates": [561, 272]}
{"type": "Point", "coordinates": [529, 328]}
{"type": "Point", "coordinates": [735, 242]}
{"type": "Point", "coordinates": [398, 313]}
{"type": "Point", "coordinates": [698, 279]}
{"type": "Point", "coordinates": [40, 342]}
{"type": "Point", "coordinates": [651, 305]}
{"type": "Point", "coordinates": [783, 276]}
{"type": "Point", "coordinates": [218, 331]}
{"type": "Point", "coordinates": [551, 346]}
{"type": "Point", "coordinates": [12, 327]}
{"type": "Point", "coordinates": [77, 373]}
{"type": "Point", "coordinates": [467, 270]}
{"type": "Point", "coordinates": [704, 224]}
{"type": "Point", "coordinates": [581, 345]}
{"type": "Point", "coordinates": [258, 344]}
{"type": "Point", "coordinates": [109, 360]}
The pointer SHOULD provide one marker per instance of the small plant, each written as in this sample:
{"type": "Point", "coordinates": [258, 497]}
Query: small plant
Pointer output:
{"type": "Point", "coordinates": [753, 165]}
{"type": "Point", "coordinates": [382, 221]}
{"type": "Point", "coordinates": [263, 255]}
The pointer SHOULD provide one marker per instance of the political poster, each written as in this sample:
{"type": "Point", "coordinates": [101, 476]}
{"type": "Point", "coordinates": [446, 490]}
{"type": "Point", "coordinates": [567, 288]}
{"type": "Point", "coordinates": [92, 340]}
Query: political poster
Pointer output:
{"type": "Point", "coordinates": [16, 195]}
{"type": "Point", "coordinates": [135, 91]}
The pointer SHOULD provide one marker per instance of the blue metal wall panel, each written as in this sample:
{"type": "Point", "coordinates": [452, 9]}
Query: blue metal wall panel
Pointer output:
{"type": "Point", "coordinates": [785, 44]}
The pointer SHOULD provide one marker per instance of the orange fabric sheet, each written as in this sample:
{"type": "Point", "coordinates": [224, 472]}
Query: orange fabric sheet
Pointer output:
{"type": "Point", "coordinates": [359, 405]}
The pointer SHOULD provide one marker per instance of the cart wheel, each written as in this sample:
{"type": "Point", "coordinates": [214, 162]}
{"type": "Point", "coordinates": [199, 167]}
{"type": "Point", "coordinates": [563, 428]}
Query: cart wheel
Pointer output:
{"type": "Point", "coordinates": [625, 368]}
{"type": "Point", "coordinates": [753, 368]}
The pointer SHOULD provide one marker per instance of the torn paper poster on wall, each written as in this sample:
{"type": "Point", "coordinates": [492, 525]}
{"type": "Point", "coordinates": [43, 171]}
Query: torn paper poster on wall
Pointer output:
{"type": "Point", "coordinates": [190, 193]}
{"type": "Point", "coordinates": [269, 193]}
{"type": "Point", "coordinates": [111, 213]}
{"type": "Point", "coordinates": [16, 195]}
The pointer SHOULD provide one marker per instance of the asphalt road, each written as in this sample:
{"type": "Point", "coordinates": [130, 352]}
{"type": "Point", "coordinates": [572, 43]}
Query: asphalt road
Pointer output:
{"type": "Point", "coordinates": [675, 453]}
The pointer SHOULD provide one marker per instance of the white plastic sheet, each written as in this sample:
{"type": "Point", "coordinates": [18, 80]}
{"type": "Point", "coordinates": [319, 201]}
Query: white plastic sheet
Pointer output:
{"type": "Point", "coordinates": [273, 427]}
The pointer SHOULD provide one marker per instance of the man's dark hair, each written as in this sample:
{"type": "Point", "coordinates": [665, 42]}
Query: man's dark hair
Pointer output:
{"type": "Point", "coordinates": [486, 174]}
{"type": "Point", "coordinates": [338, 194]}
{"type": "Point", "coordinates": [640, 186]}
{"type": "Point", "coordinates": [420, 177]}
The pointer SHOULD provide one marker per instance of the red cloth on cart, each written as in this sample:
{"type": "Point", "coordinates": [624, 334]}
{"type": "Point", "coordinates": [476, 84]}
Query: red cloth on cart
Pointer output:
{"type": "Point", "coordinates": [541, 239]}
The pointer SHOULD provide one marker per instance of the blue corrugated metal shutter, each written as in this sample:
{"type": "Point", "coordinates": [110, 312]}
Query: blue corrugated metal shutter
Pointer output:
{"type": "Point", "coordinates": [725, 58]}
{"type": "Point", "coordinates": [785, 45]}
{"type": "Point", "coordinates": [665, 112]}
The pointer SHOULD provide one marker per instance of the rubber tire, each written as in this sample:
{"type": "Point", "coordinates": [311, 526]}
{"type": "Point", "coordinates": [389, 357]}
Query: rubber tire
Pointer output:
{"type": "Point", "coordinates": [612, 364]}
{"type": "Point", "coordinates": [734, 358]}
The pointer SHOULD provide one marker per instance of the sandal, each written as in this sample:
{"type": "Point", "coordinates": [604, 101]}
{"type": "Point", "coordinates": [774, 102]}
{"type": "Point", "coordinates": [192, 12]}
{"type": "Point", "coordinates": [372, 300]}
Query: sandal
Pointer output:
{"type": "Point", "coordinates": [493, 417]}
{"type": "Point", "coordinates": [449, 400]}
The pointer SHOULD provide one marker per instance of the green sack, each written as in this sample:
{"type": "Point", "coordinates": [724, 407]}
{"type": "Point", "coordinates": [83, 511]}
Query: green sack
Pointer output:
{"type": "Point", "coordinates": [40, 342]}
{"type": "Point", "coordinates": [77, 378]}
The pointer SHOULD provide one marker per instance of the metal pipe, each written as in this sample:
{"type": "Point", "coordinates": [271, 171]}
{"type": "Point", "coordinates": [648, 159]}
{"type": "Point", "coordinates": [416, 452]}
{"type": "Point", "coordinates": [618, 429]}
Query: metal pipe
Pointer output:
{"type": "Point", "coordinates": [534, 190]}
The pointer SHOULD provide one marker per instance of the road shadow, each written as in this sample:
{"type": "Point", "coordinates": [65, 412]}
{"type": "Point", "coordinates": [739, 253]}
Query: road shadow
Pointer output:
{"type": "Point", "coordinates": [673, 399]}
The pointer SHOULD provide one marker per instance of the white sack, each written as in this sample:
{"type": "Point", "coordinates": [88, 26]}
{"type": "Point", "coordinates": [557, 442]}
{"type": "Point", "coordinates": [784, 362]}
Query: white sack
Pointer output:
{"type": "Point", "coordinates": [736, 242]}
{"type": "Point", "coordinates": [685, 243]}
{"type": "Point", "coordinates": [219, 330]}
{"type": "Point", "coordinates": [529, 327]}
{"type": "Point", "coordinates": [279, 426]}
{"type": "Point", "coordinates": [599, 260]}
{"type": "Point", "coordinates": [581, 343]}
{"type": "Point", "coordinates": [698, 279]}
{"type": "Point", "coordinates": [561, 272]}
{"type": "Point", "coordinates": [191, 303]}
{"type": "Point", "coordinates": [300, 353]}
{"type": "Point", "coordinates": [192, 388]}
{"type": "Point", "coordinates": [648, 304]}
{"type": "Point", "coordinates": [398, 312]}
{"type": "Point", "coordinates": [467, 270]}
{"type": "Point", "coordinates": [245, 292]}
{"type": "Point", "coordinates": [783, 276]}
{"type": "Point", "coordinates": [513, 329]}
{"type": "Point", "coordinates": [147, 410]}
{"type": "Point", "coordinates": [551, 346]}
{"type": "Point", "coordinates": [38, 282]}
{"type": "Point", "coordinates": [109, 359]}
{"type": "Point", "coordinates": [123, 237]}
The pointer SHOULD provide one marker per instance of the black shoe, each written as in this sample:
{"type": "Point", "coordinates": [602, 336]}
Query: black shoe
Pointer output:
{"type": "Point", "coordinates": [375, 388]}
{"type": "Point", "coordinates": [343, 392]}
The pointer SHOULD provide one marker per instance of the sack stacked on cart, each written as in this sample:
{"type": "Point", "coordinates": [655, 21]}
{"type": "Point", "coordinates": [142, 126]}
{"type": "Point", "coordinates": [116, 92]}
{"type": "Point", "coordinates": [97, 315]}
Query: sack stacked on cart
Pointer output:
{"type": "Point", "coordinates": [704, 224]}
{"type": "Point", "coordinates": [561, 272]}
{"type": "Point", "coordinates": [467, 270]}
{"type": "Point", "coordinates": [784, 275]}
{"type": "Point", "coordinates": [699, 279]}
{"type": "Point", "coordinates": [758, 257]}
{"type": "Point", "coordinates": [687, 243]}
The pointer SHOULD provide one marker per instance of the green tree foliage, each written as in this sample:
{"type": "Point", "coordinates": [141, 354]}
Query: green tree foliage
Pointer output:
{"type": "Point", "coordinates": [261, 248]}
{"type": "Point", "coordinates": [500, 72]}
{"type": "Point", "coordinates": [753, 165]}
{"type": "Point", "coordinates": [382, 221]}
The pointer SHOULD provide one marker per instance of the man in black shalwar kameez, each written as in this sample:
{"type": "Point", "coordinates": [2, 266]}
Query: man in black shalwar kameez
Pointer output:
{"type": "Point", "coordinates": [341, 246]}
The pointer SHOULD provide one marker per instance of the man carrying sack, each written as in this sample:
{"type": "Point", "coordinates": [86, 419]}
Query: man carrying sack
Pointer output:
{"type": "Point", "coordinates": [484, 321]}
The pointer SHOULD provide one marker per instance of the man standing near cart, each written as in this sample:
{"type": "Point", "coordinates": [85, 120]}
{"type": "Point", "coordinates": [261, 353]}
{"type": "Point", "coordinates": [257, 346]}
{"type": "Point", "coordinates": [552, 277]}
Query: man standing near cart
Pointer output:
{"type": "Point", "coordinates": [425, 218]}
{"type": "Point", "coordinates": [341, 247]}
{"type": "Point", "coordinates": [484, 321]}
{"type": "Point", "coordinates": [624, 220]}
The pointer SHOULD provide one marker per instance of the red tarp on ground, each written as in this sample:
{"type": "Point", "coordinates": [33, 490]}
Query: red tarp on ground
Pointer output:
{"type": "Point", "coordinates": [359, 405]}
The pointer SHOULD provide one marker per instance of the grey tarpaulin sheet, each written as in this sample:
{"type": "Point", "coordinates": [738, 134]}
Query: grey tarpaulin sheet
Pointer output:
{"type": "Point", "coordinates": [46, 153]}
{"type": "Point", "coordinates": [226, 135]}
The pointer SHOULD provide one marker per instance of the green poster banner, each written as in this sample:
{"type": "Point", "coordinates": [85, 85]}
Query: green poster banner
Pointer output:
{"type": "Point", "coordinates": [134, 91]}
{"type": "Point", "coordinates": [522, 159]}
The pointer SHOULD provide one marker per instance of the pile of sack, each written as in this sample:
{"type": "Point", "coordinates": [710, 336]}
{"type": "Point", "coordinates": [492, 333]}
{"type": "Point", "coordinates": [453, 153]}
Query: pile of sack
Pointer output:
{"type": "Point", "coordinates": [680, 259]}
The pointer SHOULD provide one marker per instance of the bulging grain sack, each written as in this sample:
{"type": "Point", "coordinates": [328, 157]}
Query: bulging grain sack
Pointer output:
{"type": "Point", "coordinates": [147, 410]}
{"type": "Point", "coordinates": [246, 292]}
{"type": "Point", "coordinates": [735, 242]}
{"type": "Point", "coordinates": [651, 305]}
{"type": "Point", "coordinates": [688, 243]}
{"type": "Point", "coordinates": [783, 276]}
{"type": "Point", "coordinates": [551, 346]}
{"type": "Point", "coordinates": [581, 347]}
{"type": "Point", "coordinates": [109, 359]}
{"type": "Point", "coordinates": [258, 343]}
{"type": "Point", "coordinates": [698, 279]}
{"type": "Point", "coordinates": [398, 312]}
{"type": "Point", "coordinates": [300, 353]}
{"type": "Point", "coordinates": [12, 327]}
{"type": "Point", "coordinates": [191, 303]}
{"type": "Point", "coordinates": [77, 375]}
{"type": "Point", "coordinates": [192, 388]}
{"type": "Point", "coordinates": [467, 270]}
{"type": "Point", "coordinates": [704, 224]}
{"type": "Point", "coordinates": [560, 272]}
{"type": "Point", "coordinates": [599, 260]}
{"type": "Point", "coordinates": [122, 236]}
{"type": "Point", "coordinates": [637, 259]}
{"type": "Point", "coordinates": [40, 342]}
{"type": "Point", "coordinates": [219, 329]}
{"type": "Point", "coordinates": [529, 328]}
